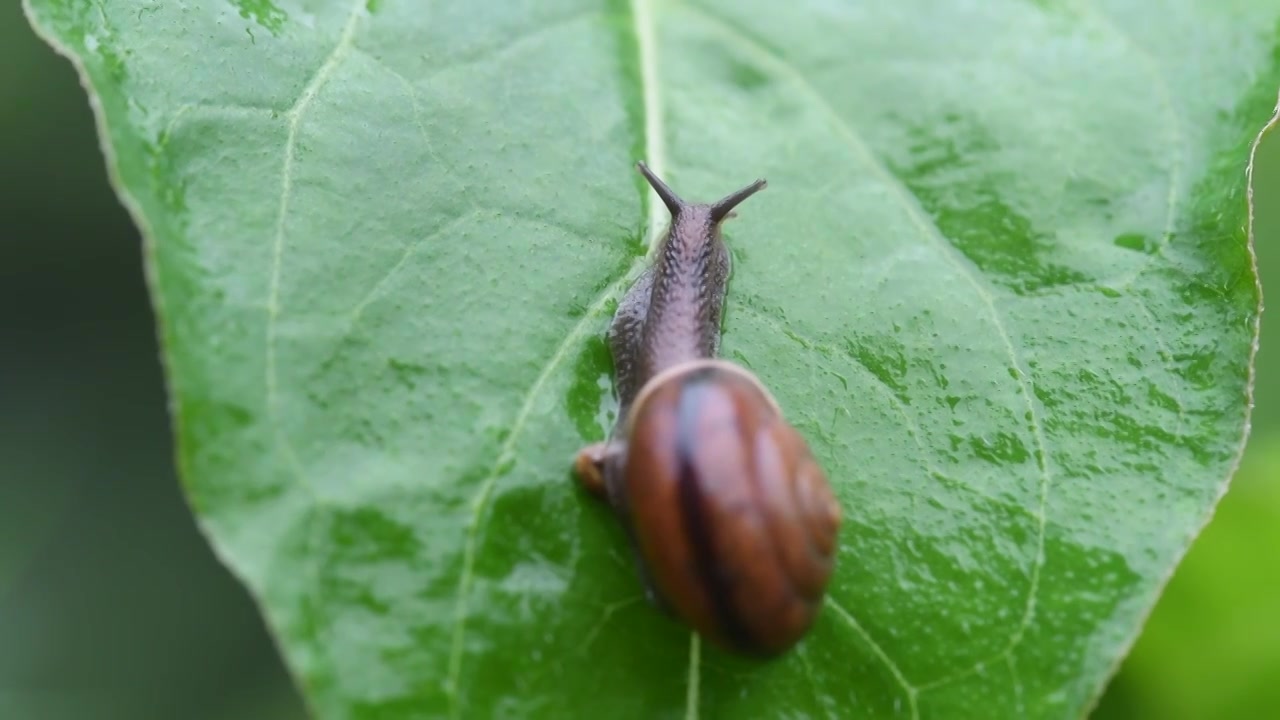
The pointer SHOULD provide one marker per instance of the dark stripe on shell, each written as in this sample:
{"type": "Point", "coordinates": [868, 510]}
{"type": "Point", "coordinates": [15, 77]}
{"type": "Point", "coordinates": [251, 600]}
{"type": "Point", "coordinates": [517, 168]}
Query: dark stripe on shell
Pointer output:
{"type": "Point", "coordinates": [697, 523]}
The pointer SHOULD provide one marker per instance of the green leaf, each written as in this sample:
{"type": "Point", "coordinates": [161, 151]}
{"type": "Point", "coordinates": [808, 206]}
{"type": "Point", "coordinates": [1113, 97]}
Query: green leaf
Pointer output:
{"type": "Point", "coordinates": [1212, 646]}
{"type": "Point", "coordinates": [1000, 280]}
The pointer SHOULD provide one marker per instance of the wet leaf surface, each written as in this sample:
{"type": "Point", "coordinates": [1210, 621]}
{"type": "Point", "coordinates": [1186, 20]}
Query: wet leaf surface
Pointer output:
{"type": "Point", "coordinates": [1000, 280]}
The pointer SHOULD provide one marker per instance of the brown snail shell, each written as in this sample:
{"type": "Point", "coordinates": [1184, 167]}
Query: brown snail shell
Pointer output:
{"type": "Point", "coordinates": [732, 517]}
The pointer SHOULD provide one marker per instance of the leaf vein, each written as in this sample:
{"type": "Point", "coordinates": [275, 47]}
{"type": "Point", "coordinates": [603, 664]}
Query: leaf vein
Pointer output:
{"type": "Point", "coordinates": [931, 233]}
{"type": "Point", "coordinates": [1173, 126]}
{"type": "Point", "coordinates": [479, 502]}
{"type": "Point", "coordinates": [656, 151]}
{"type": "Point", "coordinates": [294, 116]}
{"type": "Point", "coordinates": [879, 652]}
{"type": "Point", "coordinates": [908, 419]}
{"type": "Point", "coordinates": [408, 252]}
{"type": "Point", "coordinates": [692, 690]}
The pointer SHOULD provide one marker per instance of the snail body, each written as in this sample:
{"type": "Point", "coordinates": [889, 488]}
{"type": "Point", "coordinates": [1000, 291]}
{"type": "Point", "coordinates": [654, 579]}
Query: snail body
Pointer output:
{"type": "Point", "coordinates": [731, 518]}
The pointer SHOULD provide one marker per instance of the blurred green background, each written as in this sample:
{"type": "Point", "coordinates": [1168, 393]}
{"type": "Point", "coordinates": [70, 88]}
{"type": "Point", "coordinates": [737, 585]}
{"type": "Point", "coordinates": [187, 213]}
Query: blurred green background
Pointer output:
{"type": "Point", "coordinates": [113, 607]}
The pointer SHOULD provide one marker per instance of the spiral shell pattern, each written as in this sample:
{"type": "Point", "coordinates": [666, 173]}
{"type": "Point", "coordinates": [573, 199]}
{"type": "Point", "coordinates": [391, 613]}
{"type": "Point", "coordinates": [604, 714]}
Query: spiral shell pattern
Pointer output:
{"type": "Point", "coordinates": [732, 516]}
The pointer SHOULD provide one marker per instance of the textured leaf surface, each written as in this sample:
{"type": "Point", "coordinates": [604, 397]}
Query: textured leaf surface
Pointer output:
{"type": "Point", "coordinates": [1000, 279]}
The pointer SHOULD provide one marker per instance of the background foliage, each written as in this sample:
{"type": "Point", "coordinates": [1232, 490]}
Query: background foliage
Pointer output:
{"type": "Point", "coordinates": [110, 604]}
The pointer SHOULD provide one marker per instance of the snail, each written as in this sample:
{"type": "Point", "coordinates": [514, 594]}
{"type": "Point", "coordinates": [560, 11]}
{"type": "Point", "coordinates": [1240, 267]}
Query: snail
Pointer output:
{"type": "Point", "coordinates": [732, 520]}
